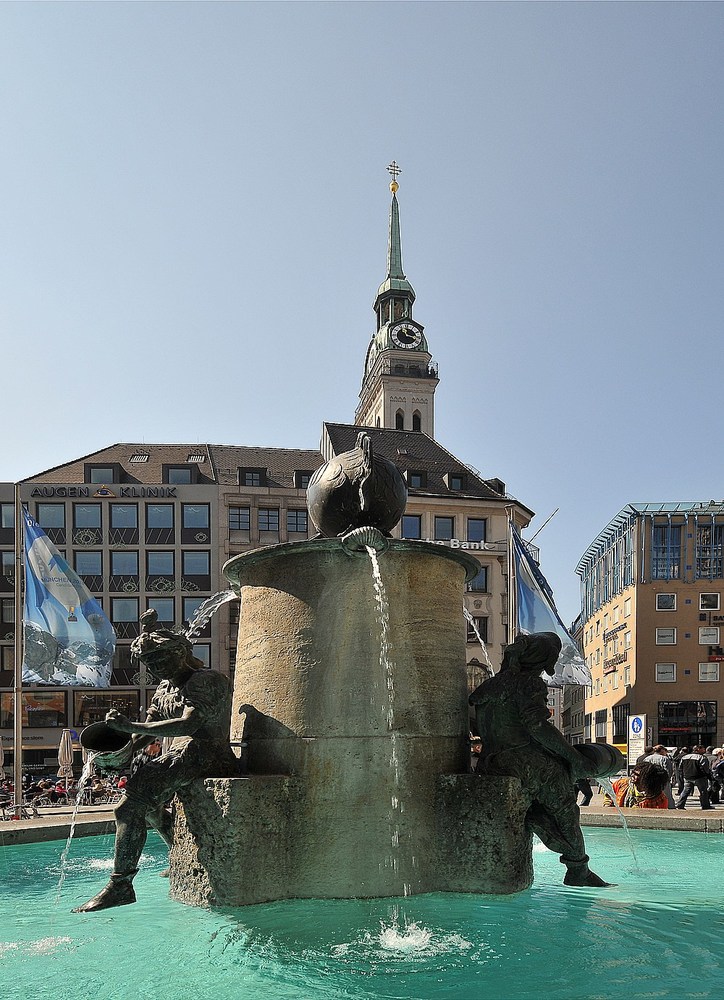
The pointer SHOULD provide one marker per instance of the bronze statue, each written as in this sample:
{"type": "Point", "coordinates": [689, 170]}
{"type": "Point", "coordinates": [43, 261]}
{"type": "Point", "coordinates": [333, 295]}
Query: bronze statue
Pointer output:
{"type": "Point", "coordinates": [519, 739]}
{"type": "Point", "coordinates": [356, 489]}
{"type": "Point", "coordinates": [193, 707]}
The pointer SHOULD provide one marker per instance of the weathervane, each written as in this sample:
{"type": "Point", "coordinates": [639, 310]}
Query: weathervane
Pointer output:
{"type": "Point", "coordinates": [394, 170]}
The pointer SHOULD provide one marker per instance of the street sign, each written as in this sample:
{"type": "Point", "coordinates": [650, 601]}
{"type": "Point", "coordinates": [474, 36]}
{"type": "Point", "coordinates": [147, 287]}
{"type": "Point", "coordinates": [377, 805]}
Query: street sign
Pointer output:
{"type": "Point", "coordinates": [637, 733]}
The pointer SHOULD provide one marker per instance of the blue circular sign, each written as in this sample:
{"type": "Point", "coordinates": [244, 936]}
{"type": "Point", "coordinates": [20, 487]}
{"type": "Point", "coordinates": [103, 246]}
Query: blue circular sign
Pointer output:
{"type": "Point", "coordinates": [636, 724]}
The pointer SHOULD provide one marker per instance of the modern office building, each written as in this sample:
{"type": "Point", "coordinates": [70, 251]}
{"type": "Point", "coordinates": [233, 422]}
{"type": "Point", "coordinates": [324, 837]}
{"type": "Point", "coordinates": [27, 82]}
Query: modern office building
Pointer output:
{"type": "Point", "coordinates": [151, 525]}
{"type": "Point", "coordinates": [652, 622]}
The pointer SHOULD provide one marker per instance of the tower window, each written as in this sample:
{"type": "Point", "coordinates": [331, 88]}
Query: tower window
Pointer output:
{"type": "Point", "coordinates": [416, 421]}
{"type": "Point", "coordinates": [399, 421]}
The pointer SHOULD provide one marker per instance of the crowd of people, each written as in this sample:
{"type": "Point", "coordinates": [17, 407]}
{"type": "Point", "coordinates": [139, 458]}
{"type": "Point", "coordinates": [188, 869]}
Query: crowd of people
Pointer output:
{"type": "Point", "coordinates": [662, 779]}
{"type": "Point", "coordinates": [57, 791]}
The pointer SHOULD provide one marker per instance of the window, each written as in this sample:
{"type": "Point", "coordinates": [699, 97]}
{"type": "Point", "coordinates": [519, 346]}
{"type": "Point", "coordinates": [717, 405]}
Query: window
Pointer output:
{"type": "Point", "coordinates": [477, 529]}
{"type": "Point", "coordinates": [665, 636]}
{"type": "Point", "coordinates": [301, 479]}
{"type": "Point", "coordinates": [40, 710]}
{"type": "Point", "coordinates": [51, 515]}
{"type": "Point", "coordinates": [191, 606]}
{"type": "Point", "coordinates": [252, 477]}
{"type": "Point", "coordinates": [708, 671]}
{"type": "Point", "coordinates": [8, 563]}
{"type": "Point", "coordinates": [627, 640]}
{"type": "Point", "coordinates": [665, 673]}
{"type": "Point", "coordinates": [297, 521]}
{"type": "Point", "coordinates": [124, 515]}
{"type": "Point", "coordinates": [416, 480]}
{"type": "Point", "coordinates": [416, 421]}
{"type": "Point", "coordinates": [399, 421]}
{"type": "Point", "coordinates": [124, 563]}
{"type": "Point", "coordinates": [86, 515]}
{"type": "Point", "coordinates": [195, 515]}
{"type": "Point", "coordinates": [601, 716]}
{"type": "Point", "coordinates": [479, 583]}
{"type": "Point", "coordinates": [92, 707]}
{"type": "Point", "coordinates": [620, 714]}
{"type": "Point", "coordinates": [239, 519]}
{"type": "Point", "coordinates": [666, 602]}
{"type": "Point", "coordinates": [444, 528]}
{"type": "Point", "coordinates": [7, 610]}
{"type": "Point", "coordinates": [202, 651]}
{"type": "Point", "coordinates": [708, 602]}
{"type": "Point", "coordinates": [627, 607]}
{"type": "Point", "coordinates": [481, 624]}
{"type": "Point", "coordinates": [163, 606]}
{"type": "Point", "coordinates": [710, 550]}
{"type": "Point", "coordinates": [89, 563]}
{"type": "Point", "coordinates": [159, 515]}
{"type": "Point", "coordinates": [124, 609]}
{"type": "Point", "coordinates": [411, 526]}
{"type": "Point", "coordinates": [100, 474]}
{"type": "Point", "coordinates": [616, 615]}
{"type": "Point", "coordinates": [627, 676]}
{"type": "Point", "coordinates": [196, 563]}
{"type": "Point", "coordinates": [7, 515]}
{"type": "Point", "coordinates": [159, 563]}
{"type": "Point", "coordinates": [666, 552]}
{"type": "Point", "coordinates": [709, 636]}
{"type": "Point", "coordinates": [456, 481]}
{"type": "Point", "coordinates": [268, 519]}
{"type": "Point", "coordinates": [179, 475]}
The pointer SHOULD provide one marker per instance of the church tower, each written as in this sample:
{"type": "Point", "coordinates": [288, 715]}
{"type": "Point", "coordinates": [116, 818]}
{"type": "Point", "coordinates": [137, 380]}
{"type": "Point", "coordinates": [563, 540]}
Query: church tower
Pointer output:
{"type": "Point", "coordinates": [400, 378]}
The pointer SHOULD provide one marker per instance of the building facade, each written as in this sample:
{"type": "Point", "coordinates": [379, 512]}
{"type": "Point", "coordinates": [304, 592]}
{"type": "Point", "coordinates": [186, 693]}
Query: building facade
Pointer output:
{"type": "Point", "coordinates": [652, 623]}
{"type": "Point", "coordinates": [151, 525]}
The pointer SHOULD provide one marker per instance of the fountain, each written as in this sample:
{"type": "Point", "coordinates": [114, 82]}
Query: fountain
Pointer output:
{"type": "Point", "coordinates": [358, 780]}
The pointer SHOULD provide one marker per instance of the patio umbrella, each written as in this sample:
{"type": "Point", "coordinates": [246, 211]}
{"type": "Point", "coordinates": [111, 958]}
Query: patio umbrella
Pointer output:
{"type": "Point", "coordinates": [65, 756]}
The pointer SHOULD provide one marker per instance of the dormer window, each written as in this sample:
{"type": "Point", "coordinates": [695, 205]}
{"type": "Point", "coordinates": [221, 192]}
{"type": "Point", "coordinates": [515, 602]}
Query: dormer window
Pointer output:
{"type": "Point", "coordinates": [456, 481]}
{"type": "Point", "coordinates": [252, 477]}
{"type": "Point", "coordinates": [180, 475]}
{"type": "Point", "coordinates": [103, 474]}
{"type": "Point", "coordinates": [416, 480]}
{"type": "Point", "coordinates": [301, 479]}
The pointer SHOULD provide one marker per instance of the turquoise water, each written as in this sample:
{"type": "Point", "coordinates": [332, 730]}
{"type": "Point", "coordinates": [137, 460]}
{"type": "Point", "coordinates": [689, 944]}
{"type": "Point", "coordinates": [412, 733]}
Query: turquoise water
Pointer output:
{"type": "Point", "coordinates": [657, 934]}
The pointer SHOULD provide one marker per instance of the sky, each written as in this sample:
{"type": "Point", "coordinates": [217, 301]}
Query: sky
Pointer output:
{"type": "Point", "coordinates": [194, 225]}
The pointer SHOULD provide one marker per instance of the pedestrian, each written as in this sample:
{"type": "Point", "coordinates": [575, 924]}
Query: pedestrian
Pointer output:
{"type": "Point", "coordinates": [661, 757]}
{"type": "Point", "coordinates": [696, 772]}
{"type": "Point", "coordinates": [583, 786]}
{"type": "Point", "coordinates": [678, 776]}
{"type": "Point", "coordinates": [642, 757]}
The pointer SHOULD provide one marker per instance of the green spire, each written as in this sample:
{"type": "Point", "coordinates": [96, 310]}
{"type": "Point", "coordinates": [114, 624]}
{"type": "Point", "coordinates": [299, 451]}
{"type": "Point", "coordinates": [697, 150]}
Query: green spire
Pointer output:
{"type": "Point", "coordinates": [395, 280]}
{"type": "Point", "coordinates": [394, 244]}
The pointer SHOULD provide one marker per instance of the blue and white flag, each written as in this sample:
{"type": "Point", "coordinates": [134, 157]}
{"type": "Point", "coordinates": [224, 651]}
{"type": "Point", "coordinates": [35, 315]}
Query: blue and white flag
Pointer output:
{"type": "Point", "coordinates": [68, 638]}
{"type": "Point", "coordinates": [536, 612]}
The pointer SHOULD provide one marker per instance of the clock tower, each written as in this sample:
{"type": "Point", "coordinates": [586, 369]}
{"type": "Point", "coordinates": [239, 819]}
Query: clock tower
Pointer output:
{"type": "Point", "coordinates": [398, 387]}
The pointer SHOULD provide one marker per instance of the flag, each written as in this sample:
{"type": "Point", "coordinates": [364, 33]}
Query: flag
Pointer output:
{"type": "Point", "coordinates": [68, 638]}
{"type": "Point", "coordinates": [536, 612]}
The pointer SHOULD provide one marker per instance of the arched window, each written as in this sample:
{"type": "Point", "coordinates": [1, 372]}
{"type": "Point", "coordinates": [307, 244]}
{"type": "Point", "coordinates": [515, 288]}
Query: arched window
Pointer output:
{"type": "Point", "coordinates": [416, 421]}
{"type": "Point", "coordinates": [399, 421]}
{"type": "Point", "coordinates": [377, 424]}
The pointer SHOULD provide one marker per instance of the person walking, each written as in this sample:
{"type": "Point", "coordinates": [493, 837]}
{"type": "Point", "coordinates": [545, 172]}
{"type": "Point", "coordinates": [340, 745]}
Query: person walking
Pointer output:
{"type": "Point", "coordinates": [696, 772]}
{"type": "Point", "coordinates": [583, 787]}
{"type": "Point", "coordinates": [678, 776]}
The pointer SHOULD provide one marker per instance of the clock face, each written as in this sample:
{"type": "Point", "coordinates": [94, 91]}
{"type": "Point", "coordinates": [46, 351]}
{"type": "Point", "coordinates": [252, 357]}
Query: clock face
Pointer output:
{"type": "Point", "coordinates": [406, 336]}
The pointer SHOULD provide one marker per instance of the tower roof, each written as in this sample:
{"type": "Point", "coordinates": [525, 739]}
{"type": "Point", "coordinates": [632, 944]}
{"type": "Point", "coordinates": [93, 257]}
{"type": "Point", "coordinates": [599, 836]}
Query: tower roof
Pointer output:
{"type": "Point", "coordinates": [395, 280]}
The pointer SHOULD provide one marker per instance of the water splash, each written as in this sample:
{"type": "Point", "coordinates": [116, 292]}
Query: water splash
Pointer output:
{"type": "Point", "coordinates": [397, 806]}
{"type": "Point", "coordinates": [471, 621]}
{"type": "Point", "coordinates": [206, 610]}
{"type": "Point", "coordinates": [606, 782]}
{"type": "Point", "coordinates": [80, 787]}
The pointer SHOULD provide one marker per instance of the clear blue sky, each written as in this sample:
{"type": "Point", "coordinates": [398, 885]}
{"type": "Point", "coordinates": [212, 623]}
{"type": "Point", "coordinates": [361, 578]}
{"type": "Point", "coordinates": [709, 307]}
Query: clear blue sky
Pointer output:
{"type": "Point", "coordinates": [193, 229]}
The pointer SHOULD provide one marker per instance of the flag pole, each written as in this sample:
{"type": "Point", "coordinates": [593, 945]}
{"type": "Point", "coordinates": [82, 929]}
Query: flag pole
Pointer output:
{"type": "Point", "coordinates": [18, 682]}
{"type": "Point", "coordinates": [512, 606]}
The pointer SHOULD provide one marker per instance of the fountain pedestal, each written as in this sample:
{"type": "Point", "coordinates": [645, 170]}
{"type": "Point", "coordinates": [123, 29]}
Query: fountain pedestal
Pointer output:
{"type": "Point", "coordinates": [358, 767]}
